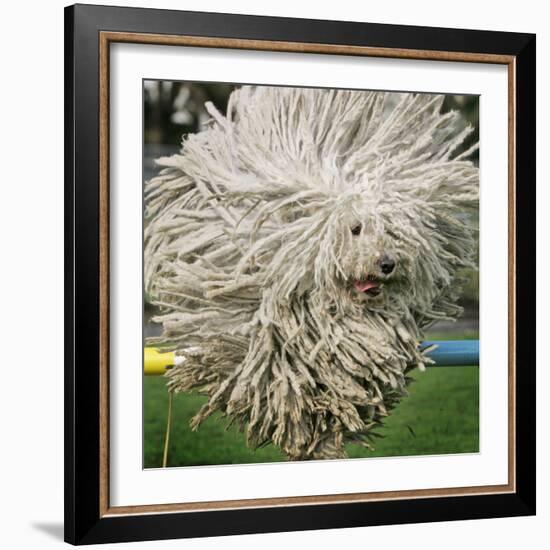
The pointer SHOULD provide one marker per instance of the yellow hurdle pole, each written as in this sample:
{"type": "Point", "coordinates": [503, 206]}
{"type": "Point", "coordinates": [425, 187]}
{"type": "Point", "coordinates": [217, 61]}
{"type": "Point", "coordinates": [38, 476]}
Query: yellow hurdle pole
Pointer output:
{"type": "Point", "coordinates": [156, 362]}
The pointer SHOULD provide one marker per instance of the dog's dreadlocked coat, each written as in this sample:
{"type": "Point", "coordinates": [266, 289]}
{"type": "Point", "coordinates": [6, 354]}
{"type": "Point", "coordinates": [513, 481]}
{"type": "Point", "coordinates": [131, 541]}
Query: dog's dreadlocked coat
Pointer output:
{"type": "Point", "coordinates": [298, 246]}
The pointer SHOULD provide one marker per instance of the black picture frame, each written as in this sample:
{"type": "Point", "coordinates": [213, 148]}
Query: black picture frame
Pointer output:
{"type": "Point", "coordinates": [86, 519]}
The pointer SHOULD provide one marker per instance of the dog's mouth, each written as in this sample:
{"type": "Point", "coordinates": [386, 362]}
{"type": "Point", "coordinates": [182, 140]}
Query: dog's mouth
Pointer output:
{"type": "Point", "coordinates": [369, 286]}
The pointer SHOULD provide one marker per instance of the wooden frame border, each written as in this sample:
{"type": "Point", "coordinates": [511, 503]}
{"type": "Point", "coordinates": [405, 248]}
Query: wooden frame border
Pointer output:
{"type": "Point", "coordinates": [89, 517]}
{"type": "Point", "coordinates": [105, 40]}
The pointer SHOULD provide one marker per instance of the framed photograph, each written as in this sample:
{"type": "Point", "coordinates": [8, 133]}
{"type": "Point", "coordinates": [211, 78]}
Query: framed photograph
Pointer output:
{"type": "Point", "coordinates": [300, 274]}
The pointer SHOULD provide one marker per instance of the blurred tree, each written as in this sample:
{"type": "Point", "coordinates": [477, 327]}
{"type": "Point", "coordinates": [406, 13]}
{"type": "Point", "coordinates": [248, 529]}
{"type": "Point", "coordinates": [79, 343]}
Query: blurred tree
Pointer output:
{"type": "Point", "coordinates": [174, 109]}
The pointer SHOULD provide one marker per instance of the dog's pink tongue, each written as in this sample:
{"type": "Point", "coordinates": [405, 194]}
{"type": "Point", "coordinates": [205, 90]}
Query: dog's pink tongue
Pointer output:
{"type": "Point", "coordinates": [363, 286]}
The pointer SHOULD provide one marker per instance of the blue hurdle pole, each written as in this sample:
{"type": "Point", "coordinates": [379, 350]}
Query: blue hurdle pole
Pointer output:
{"type": "Point", "coordinates": [453, 353]}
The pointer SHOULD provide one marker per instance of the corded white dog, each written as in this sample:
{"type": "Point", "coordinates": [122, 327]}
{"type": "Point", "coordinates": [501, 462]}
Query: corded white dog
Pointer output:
{"type": "Point", "coordinates": [298, 247]}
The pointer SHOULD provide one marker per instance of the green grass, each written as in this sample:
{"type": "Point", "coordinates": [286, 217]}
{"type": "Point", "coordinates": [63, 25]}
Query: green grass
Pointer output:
{"type": "Point", "coordinates": [440, 416]}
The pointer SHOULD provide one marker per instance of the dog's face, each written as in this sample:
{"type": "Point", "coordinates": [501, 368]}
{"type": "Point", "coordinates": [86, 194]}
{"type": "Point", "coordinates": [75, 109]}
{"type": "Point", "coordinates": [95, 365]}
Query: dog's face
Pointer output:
{"type": "Point", "coordinates": [369, 247]}
{"type": "Point", "coordinates": [374, 263]}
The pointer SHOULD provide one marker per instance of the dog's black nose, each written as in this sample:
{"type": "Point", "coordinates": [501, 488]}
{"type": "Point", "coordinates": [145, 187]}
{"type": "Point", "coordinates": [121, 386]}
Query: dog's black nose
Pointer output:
{"type": "Point", "coordinates": [387, 265]}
